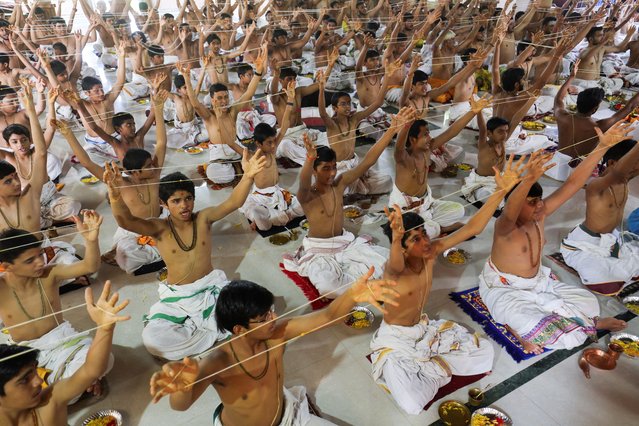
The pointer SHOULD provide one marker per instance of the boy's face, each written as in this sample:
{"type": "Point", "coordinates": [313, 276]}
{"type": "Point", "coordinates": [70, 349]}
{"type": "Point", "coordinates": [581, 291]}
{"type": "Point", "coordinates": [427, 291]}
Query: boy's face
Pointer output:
{"type": "Point", "coordinates": [288, 80]}
{"type": "Point", "coordinates": [423, 138]}
{"type": "Point", "coordinates": [499, 135]}
{"type": "Point", "coordinates": [280, 40]}
{"type": "Point", "coordinates": [420, 88]}
{"type": "Point", "coordinates": [157, 59]}
{"type": "Point", "coordinates": [215, 46]}
{"type": "Point", "coordinates": [10, 104]}
{"type": "Point", "coordinates": [325, 172]}
{"type": "Point", "coordinates": [220, 99]}
{"type": "Point", "coordinates": [533, 209]}
{"type": "Point", "coordinates": [343, 106]}
{"type": "Point", "coordinates": [59, 28]}
{"type": "Point", "coordinates": [19, 143]}
{"type": "Point", "coordinates": [10, 185]}
{"type": "Point", "coordinates": [96, 94]}
{"type": "Point", "coordinates": [127, 128]}
{"type": "Point", "coordinates": [147, 171]}
{"type": "Point", "coordinates": [268, 145]}
{"type": "Point", "coordinates": [373, 63]}
{"type": "Point", "coordinates": [180, 205]}
{"type": "Point", "coordinates": [63, 77]}
{"type": "Point", "coordinates": [4, 67]}
{"type": "Point", "coordinates": [418, 244]}
{"type": "Point", "coordinates": [24, 391]}
{"type": "Point", "coordinates": [246, 77]}
{"type": "Point", "coordinates": [29, 264]}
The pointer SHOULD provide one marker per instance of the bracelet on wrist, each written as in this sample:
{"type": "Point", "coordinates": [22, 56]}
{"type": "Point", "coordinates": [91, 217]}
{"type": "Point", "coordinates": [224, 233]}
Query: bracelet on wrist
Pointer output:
{"type": "Point", "coordinates": [290, 103]}
{"type": "Point", "coordinates": [259, 74]}
{"type": "Point", "coordinates": [309, 158]}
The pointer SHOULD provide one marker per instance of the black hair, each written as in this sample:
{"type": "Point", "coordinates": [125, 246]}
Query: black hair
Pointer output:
{"type": "Point", "coordinates": [588, 100]}
{"type": "Point", "coordinates": [6, 169]}
{"type": "Point", "coordinates": [331, 20]}
{"type": "Point", "coordinates": [592, 32]}
{"type": "Point", "coordinates": [373, 26]}
{"type": "Point", "coordinates": [108, 16]}
{"type": "Point", "coordinates": [242, 69]}
{"type": "Point", "coordinates": [277, 32]}
{"type": "Point", "coordinates": [324, 155]}
{"type": "Point", "coordinates": [225, 15]}
{"type": "Point", "coordinates": [89, 83]}
{"type": "Point", "coordinates": [410, 221]}
{"type": "Point", "coordinates": [548, 19]}
{"type": "Point", "coordinates": [518, 14]}
{"type": "Point", "coordinates": [337, 95]}
{"type": "Point", "coordinates": [6, 91]}
{"type": "Point", "coordinates": [57, 20]}
{"type": "Point", "coordinates": [522, 45]}
{"type": "Point", "coordinates": [4, 23]}
{"type": "Point", "coordinates": [401, 37]}
{"type": "Point", "coordinates": [239, 302]}
{"type": "Point", "coordinates": [155, 50]}
{"type": "Point", "coordinates": [211, 37]}
{"type": "Point", "coordinates": [139, 34]}
{"type": "Point", "coordinates": [618, 151]}
{"type": "Point", "coordinates": [135, 158]}
{"type": "Point", "coordinates": [466, 53]}
{"type": "Point", "coordinates": [419, 76]}
{"type": "Point", "coordinates": [120, 23]}
{"type": "Point", "coordinates": [372, 53]}
{"type": "Point", "coordinates": [408, 15]}
{"type": "Point", "coordinates": [370, 33]}
{"type": "Point", "coordinates": [510, 77]}
{"type": "Point", "coordinates": [173, 182]}
{"type": "Point", "coordinates": [15, 358]}
{"type": "Point", "coordinates": [168, 16]}
{"type": "Point", "coordinates": [38, 11]}
{"type": "Point", "coordinates": [179, 81]}
{"type": "Point", "coordinates": [4, 58]}
{"type": "Point", "coordinates": [287, 72]}
{"type": "Point", "coordinates": [536, 190]}
{"type": "Point", "coordinates": [119, 118]}
{"type": "Point", "coordinates": [60, 46]}
{"type": "Point", "coordinates": [217, 87]}
{"type": "Point", "coordinates": [58, 67]}
{"type": "Point", "coordinates": [262, 132]}
{"type": "Point", "coordinates": [495, 122]}
{"type": "Point", "coordinates": [14, 242]}
{"type": "Point", "coordinates": [414, 130]}
{"type": "Point", "coordinates": [15, 129]}
{"type": "Point", "coordinates": [184, 25]}
{"type": "Point", "coordinates": [573, 16]}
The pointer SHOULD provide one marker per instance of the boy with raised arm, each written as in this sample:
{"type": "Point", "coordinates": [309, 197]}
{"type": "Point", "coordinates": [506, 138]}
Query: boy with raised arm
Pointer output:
{"type": "Point", "coordinates": [330, 256]}
{"type": "Point", "coordinates": [182, 322]}
{"type": "Point", "coordinates": [413, 356]}
{"type": "Point", "coordinates": [521, 293]}
{"type": "Point", "coordinates": [135, 254]}
{"type": "Point", "coordinates": [605, 258]}
{"type": "Point", "coordinates": [247, 372]}
{"type": "Point", "coordinates": [29, 293]}
{"type": "Point", "coordinates": [23, 400]}
{"type": "Point", "coordinates": [269, 204]}
{"type": "Point", "coordinates": [412, 158]}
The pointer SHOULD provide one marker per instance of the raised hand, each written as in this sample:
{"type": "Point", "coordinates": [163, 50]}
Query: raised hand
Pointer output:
{"type": "Point", "coordinates": [26, 95]}
{"type": "Point", "coordinates": [402, 118]}
{"type": "Point", "coordinates": [321, 78]}
{"type": "Point", "coordinates": [396, 222]}
{"type": "Point", "coordinates": [392, 67]}
{"type": "Point", "coordinates": [290, 91]}
{"type": "Point", "coordinates": [477, 105]}
{"type": "Point", "coordinates": [619, 131]}
{"type": "Point", "coordinates": [157, 81]}
{"type": "Point", "coordinates": [575, 68]}
{"type": "Point", "coordinates": [311, 151]}
{"type": "Point", "coordinates": [415, 63]}
{"type": "Point", "coordinates": [254, 165]}
{"type": "Point", "coordinates": [536, 165]}
{"type": "Point", "coordinates": [89, 224]}
{"type": "Point", "coordinates": [332, 57]}
{"type": "Point", "coordinates": [183, 68]}
{"type": "Point", "coordinates": [262, 59]}
{"type": "Point", "coordinates": [160, 97]}
{"type": "Point", "coordinates": [113, 179]}
{"type": "Point", "coordinates": [369, 41]}
{"type": "Point", "coordinates": [374, 291]}
{"type": "Point", "coordinates": [122, 48]}
{"type": "Point", "coordinates": [41, 85]}
{"type": "Point", "coordinates": [434, 16]}
{"type": "Point", "coordinates": [510, 176]}
{"type": "Point", "coordinates": [478, 58]}
{"type": "Point", "coordinates": [175, 377]}
{"type": "Point", "coordinates": [538, 37]}
{"type": "Point", "coordinates": [62, 126]}
{"type": "Point", "coordinates": [105, 312]}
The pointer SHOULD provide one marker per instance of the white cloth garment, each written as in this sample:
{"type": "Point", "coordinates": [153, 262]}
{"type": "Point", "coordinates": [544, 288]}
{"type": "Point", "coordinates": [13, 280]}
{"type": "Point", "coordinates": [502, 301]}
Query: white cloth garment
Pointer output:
{"type": "Point", "coordinates": [445, 156]}
{"type": "Point", "coordinates": [292, 145]}
{"type": "Point", "coordinates": [478, 188]}
{"type": "Point", "coordinates": [220, 169]}
{"type": "Point", "coordinates": [393, 95]}
{"type": "Point", "coordinates": [375, 125]}
{"type": "Point", "coordinates": [602, 258]}
{"type": "Point", "coordinates": [247, 121]}
{"type": "Point", "coordinates": [54, 206]}
{"type": "Point", "coordinates": [437, 214]}
{"type": "Point", "coordinates": [295, 410]}
{"type": "Point", "coordinates": [183, 322]}
{"type": "Point", "coordinates": [332, 264]}
{"type": "Point", "coordinates": [271, 206]}
{"type": "Point", "coordinates": [524, 143]}
{"type": "Point", "coordinates": [540, 309]}
{"type": "Point", "coordinates": [130, 255]}
{"type": "Point", "coordinates": [371, 182]}
{"type": "Point", "coordinates": [544, 104]}
{"type": "Point", "coordinates": [137, 88]}
{"type": "Point", "coordinates": [458, 109]}
{"type": "Point", "coordinates": [191, 132]}
{"type": "Point", "coordinates": [54, 166]}
{"type": "Point", "coordinates": [412, 363]}
{"type": "Point", "coordinates": [100, 152]}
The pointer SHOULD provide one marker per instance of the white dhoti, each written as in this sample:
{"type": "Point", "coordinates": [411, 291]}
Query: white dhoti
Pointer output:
{"type": "Point", "coordinates": [332, 264]}
{"type": "Point", "coordinates": [478, 188]}
{"type": "Point", "coordinates": [248, 120]}
{"type": "Point", "coordinates": [54, 166]}
{"type": "Point", "coordinates": [133, 251]}
{"type": "Point", "coordinates": [371, 182]}
{"type": "Point", "coordinates": [523, 143]}
{"type": "Point", "coordinates": [375, 125]}
{"type": "Point", "coordinates": [540, 309]}
{"type": "Point", "coordinates": [338, 80]}
{"type": "Point", "coordinates": [412, 363]}
{"type": "Point", "coordinates": [271, 206]}
{"type": "Point", "coordinates": [137, 88]}
{"type": "Point", "coordinates": [183, 322]}
{"type": "Point", "coordinates": [295, 410]}
{"type": "Point", "coordinates": [602, 258]}
{"type": "Point", "coordinates": [99, 150]}
{"type": "Point", "coordinates": [55, 207]}
{"type": "Point", "coordinates": [191, 132]}
{"type": "Point", "coordinates": [445, 156]}
{"type": "Point", "coordinates": [458, 109]}
{"type": "Point", "coordinates": [292, 145]}
{"type": "Point", "coordinates": [393, 94]}
{"type": "Point", "coordinates": [65, 112]}
{"type": "Point", "coordinates": [544, 104]}
{"type": "Point", "coordinates": [437, 214]}
{"type": "Point", "coordinates": [109, 57]}
{"type": "Point", "coordinates": [220, 169]}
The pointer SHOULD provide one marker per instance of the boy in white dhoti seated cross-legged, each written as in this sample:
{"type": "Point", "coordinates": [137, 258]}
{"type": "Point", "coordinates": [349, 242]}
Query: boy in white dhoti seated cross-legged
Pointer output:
{"type": "Point", "coordinates": [413, 356]}
{"type": "Point", "coordinates": [268, 204]}
{"type": "Point", "coordinates": [605, 258]}
{"type": "Point", "coordinates": [29, 293]}
{"type": "Point", "coordinates": [411, 190]}
{"type": "Point", "coordinates": [187, 128]}
{"type": "Point", "coordinates": [182, 323]}
{"type": "Point", "coordinates": [521, 293]}
{"type": "Point", "coordinates": [252, 361]}
{"type": "Point", "coordinates": [330, 256]}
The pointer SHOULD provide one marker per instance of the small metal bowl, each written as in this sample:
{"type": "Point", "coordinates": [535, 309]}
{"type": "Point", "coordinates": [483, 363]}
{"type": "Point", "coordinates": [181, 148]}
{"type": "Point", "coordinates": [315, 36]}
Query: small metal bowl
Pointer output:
{"type": "Point", "coordinates": [353, 212]}
{"type": "Point", "coordinates": [633, 301]}
{"type": "Point", "coordinates": [89, 180]}
{"type": "Point", "coordinates": [447, 253]}
{"type": "Point", "coordinates": [162, 274]}
{"type": "Point", "coordinates": [615, 338]}
{"type": "Point", "coordinates": [279, 239]}
{"type": "Point", "coordinates": [104, 413]}
{"type": "Point", "coordinates": [491, 412]}
{"type": "Point", "coordinates": [453, 413]}
{"type": "Point", "coordinates": [354, 322]}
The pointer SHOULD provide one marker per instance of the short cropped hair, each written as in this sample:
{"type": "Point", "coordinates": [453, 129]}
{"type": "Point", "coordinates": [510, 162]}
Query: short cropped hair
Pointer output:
{"type": "Point", "coordinates": [173, 182]}
{"type": "Point", "coordinates": [239, 302]}
{"type": "Point", "coordinates": [410, 221]}
{"type": "Point", "coordinates": [14, 242]}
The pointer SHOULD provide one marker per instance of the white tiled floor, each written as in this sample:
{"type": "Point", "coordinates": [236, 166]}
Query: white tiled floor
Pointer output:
{"type": "Point", "coordinates": [331, 363]}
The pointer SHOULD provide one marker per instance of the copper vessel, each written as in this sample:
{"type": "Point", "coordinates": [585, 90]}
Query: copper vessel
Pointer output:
{"type": "Point", "coordinates": [600, 359]}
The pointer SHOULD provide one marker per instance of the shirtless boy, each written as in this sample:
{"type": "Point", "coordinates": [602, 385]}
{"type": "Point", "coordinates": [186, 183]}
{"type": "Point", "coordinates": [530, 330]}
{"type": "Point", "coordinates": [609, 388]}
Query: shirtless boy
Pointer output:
{"type": "Point", "coordinates": [605, 258]}
{"type": "Point", "coordinates": [25, 402]}
{"type": "Point", "coordinates": [521, 293]}
{"type": "Point", "coordinates": [414, 377]}
{"type": "Point", "coordinates": [253, 392]}
{"type": "Point", "coordinates": [185, 244]}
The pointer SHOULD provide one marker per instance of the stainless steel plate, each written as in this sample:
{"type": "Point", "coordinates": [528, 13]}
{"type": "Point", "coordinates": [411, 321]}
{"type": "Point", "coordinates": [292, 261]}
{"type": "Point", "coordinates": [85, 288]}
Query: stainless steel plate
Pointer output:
{"type": "Point", "coordinates": [353, 212]}
{"type": "Point", "coordinates": [448, 256]}
{"type": "Point", "coordinates": [625, 336]}
{"type": "Point", "coordinates": [354, 322]}
{"type": "Point", "coordinates": [491, 412]}
{"type": "Point", "coordinates": [104, 413]}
